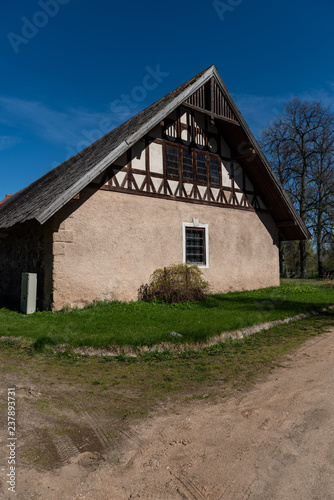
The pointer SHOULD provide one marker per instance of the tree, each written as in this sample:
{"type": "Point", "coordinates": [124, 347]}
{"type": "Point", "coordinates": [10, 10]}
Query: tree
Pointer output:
{"type": "Point", "coordinates": [322, 190]}
{"type": "Point", "coordinates": [273, 141]}
{"type": "Point", "coordinates": [329, 254]}
{"type": "Point", "coordinates": [297, 143]}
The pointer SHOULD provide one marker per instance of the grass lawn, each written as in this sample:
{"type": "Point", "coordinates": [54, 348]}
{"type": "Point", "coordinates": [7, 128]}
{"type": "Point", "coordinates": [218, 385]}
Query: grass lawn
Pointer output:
{"type": "Point", "coordinates": [302, 281]}
{"type": "Point", "coordinates": [140, 323]}
{"type": "Point", "coordinates": [119, 391]}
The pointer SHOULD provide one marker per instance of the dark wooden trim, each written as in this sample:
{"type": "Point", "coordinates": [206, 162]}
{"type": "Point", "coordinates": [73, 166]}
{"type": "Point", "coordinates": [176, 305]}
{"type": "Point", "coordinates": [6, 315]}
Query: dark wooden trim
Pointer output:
{"type": "Point", "coordinates": [233, 185]}
{"type": "Point", "coordinates": [215, 116]}
{"type": "Point", "coordinates": [192, 128]}
{"type": "Point", "coordinates": [129, 166]}
{"type": "Point", "coordinates": [164, 167]}
{"type": "Point", "coordinates": [179, 143]}
{"type": "Point", "coordinates": [147, 163]}
{"type": "Point", "coordinates": [157, 140]}
{"type": "Point", "coordinates": [212, 108]}
{"type": "Point", "coordinates": [286, 223]}
{"type": "Point", "coordinates": [179, 198]}
{"type": "Point", "coordinates": [180, 165]}
{"type": "Point", "coordinates": [186, 198]}
{"type": "Point", "coordinates": [251, 152]}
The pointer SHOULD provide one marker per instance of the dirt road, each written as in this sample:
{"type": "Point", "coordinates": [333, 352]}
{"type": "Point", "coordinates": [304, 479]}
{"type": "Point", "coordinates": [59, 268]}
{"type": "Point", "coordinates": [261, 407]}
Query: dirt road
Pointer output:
{"type": "Point", "coordinates": [275, 441]}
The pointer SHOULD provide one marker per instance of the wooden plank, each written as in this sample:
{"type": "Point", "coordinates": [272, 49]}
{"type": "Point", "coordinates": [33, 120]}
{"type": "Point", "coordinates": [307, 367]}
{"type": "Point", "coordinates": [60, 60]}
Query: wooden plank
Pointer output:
{"type": "Point", "coordinates": [215, 116]}
{"type": "Point", "coordinates": [287, 223]}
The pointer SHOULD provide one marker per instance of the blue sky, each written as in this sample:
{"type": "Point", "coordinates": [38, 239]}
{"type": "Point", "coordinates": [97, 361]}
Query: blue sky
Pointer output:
{"type": "Point", "coordinates": [73, 69]}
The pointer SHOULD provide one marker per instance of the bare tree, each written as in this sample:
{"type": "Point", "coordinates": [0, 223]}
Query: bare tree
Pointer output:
{"type": "Point", "coordinates": [274, 142]}
{"type": "Point", "coordinates": [295, 142]}
{"type": "Point", "coordinates": [322, 190]}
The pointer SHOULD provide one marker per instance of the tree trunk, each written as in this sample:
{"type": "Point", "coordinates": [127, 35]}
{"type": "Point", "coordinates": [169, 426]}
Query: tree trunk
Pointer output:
{"type": "Point", "coordinates": [319, 254]}
{"type": "Point", "coordinates": [302, 251]}
{"type": "Point", "coordinates": [282, 267]}
{"type": "Point", "coordinates": [302, 243]}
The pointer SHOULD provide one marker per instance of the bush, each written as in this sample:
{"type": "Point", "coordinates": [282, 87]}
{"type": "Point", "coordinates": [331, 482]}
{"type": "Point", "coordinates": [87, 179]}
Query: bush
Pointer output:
{"type": "Point", "coordinates": [175, 283]}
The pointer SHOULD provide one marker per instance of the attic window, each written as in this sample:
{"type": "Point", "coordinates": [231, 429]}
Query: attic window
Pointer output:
{"type": "Point", "coordinates": [187, 165]}
{"type": "Point", "coordinates": [201, 168]}
{"type": "Point", "coordinates": [192, 165]}
{"type": "Point", "coordinates": [214, 171]}
{"type": "Point", "coordinates": [172, 163]}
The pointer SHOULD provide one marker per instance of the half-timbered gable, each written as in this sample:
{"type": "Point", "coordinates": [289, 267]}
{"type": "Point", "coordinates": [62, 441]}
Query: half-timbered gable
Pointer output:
{"type": "Point", "coordinates": [182, 181]}
{"type": "Point", "coordinates": [185, 158]}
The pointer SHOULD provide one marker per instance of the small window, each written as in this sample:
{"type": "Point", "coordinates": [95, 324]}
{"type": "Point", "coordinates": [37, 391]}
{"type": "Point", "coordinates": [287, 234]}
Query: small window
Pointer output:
{"type": "Point", "coordinates": [214, 171]}
{"type": "Point", "coordinates": [172, 163]}
{"type": "Point", "coordinates": [187, 165]}
{"type": "Point", "coordinates": [196, 243]}
{"type": "Point", "coordinates": [201, 168]}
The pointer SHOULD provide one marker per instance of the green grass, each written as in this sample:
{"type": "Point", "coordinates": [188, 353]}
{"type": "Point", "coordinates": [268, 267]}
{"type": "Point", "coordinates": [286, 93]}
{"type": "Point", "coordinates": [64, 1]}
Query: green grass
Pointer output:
{"type": "Point", "coordinates": [141, 323]}
{"type": "Point", "coordinates": [126, 389]}
{"type": "Point", "coordinates": [302, 281]}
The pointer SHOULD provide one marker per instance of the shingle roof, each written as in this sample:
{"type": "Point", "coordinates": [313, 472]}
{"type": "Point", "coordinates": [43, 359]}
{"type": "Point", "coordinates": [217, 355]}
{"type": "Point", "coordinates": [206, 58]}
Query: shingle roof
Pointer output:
{"type": "Point", "coordinates": [44, 197]}
{"type": "Point", "coordinates": [33, 200]}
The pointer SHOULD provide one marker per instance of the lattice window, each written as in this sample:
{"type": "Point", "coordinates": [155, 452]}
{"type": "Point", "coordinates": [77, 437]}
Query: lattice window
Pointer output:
{"type": "Point", "coordinates": [201, 168]}
{"type": "Point", "coordinates": [172, 162]}
{"type": "Point", "coordinates": [214, 171]}
{"type": "Point", "coordinates": [193, 165]}
{"type": "Point", "coordinates": [187, 165]}
{"type": "Point", "coordinates": [195, 245]}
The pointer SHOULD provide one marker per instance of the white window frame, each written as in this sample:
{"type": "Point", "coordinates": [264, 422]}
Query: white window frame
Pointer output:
{"type": "Point", "coordinates": [195, 224]}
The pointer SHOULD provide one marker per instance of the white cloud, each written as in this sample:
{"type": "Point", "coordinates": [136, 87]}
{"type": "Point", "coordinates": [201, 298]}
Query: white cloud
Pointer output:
{"type": "Point", "coordinates": [74, 129]}
{"type": "Point", "coordinates": [7, 141]}
{"type": "Point", "coordinates": [59, 127]}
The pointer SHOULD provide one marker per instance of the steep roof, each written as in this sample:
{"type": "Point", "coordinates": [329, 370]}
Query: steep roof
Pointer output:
{"type": "Point", "coordinates": [44, 197]}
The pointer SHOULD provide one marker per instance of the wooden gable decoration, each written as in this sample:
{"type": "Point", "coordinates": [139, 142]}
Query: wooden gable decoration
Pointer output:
{"type": "Point", "coordinates": [211, 98]}
{"type": "Point", "coordinates": [204, 168]}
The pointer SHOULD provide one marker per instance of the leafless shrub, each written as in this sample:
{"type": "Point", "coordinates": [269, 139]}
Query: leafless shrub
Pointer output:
{"type": "Point", "coordinates": [175, 283]}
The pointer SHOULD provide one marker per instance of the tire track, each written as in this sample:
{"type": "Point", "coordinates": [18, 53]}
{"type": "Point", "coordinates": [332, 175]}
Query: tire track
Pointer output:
{"type": "Point", "coordinates": [93, 421]}
{"type": "Point", "coordinates": [196, 491]}
{"type": "Point", "coordinates": [131, 436]}
{"type": "Point", "coordinates": [65, 447]}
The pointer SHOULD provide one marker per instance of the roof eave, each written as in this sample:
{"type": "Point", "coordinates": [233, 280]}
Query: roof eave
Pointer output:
{"type": "Point", "coordinates": [286, 200]}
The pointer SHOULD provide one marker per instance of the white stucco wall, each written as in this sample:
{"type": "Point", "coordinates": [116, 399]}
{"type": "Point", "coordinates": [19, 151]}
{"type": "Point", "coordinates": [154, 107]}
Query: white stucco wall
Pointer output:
{"type": "Point", "coordinates": [112, 242]}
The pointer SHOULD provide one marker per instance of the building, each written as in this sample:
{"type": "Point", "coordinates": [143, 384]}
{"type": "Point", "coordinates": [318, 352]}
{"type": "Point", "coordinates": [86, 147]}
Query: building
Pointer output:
{"type": "Point", "coordinates": [183, 180]}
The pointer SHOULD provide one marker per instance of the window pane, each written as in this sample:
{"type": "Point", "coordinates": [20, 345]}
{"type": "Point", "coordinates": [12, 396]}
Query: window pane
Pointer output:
{"type": "Point", "coordinates": [172, 163]}
{"type": "Point", "coordinates": [201, 168]}
{"type": "Point", "coordinates": [187, 165]}
{"type": "Point", "coordinates": [195, 245]}
{"type": "Point", "coordinates": [214, 171]}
